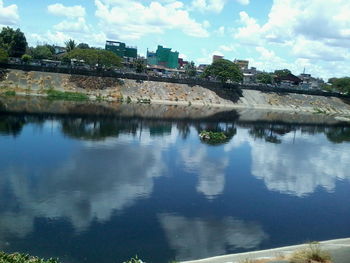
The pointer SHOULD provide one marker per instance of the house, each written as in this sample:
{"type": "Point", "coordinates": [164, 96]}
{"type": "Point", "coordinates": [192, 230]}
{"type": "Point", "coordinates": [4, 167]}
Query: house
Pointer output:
{"type": "Point", "coordinates": [288, 80]}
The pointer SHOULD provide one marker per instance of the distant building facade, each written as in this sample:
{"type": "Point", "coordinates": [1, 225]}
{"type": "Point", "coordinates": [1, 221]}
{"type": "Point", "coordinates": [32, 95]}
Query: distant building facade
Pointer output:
{"type": "Point", "coordinates": [217, 57]}
{"type": "Point", "coordinates": [242, 64]}
{"type": "Point", "coordinates": [309, 82]}
{"type": "Point", "coordinates": [182, 63]}
{"type": "Point", "coordinates": [120, 49]}
{"type": "Point", "coordinates": [163, 57]}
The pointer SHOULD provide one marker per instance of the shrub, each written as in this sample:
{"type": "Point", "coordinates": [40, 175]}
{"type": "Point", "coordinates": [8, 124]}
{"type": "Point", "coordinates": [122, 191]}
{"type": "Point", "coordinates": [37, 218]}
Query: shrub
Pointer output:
{"type": "Point", "coordinates": [23, 258]}
{"type": "Point", "coordinates": [312, 253]}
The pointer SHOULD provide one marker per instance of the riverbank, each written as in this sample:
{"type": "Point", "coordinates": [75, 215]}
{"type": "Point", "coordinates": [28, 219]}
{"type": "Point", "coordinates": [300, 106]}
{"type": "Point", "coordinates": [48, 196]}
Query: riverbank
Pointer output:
{"type": "Point", "coordinates": [114, 109]}
{"type": "Point", "coordinates": [339, 250]}
{"type": "Point", "coordinates": [108, 89]}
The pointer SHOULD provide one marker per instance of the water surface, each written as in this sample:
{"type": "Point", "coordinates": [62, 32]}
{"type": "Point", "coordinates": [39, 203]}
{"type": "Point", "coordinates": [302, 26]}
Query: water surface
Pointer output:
{"type": "Point", "coordinates": [103, 189]}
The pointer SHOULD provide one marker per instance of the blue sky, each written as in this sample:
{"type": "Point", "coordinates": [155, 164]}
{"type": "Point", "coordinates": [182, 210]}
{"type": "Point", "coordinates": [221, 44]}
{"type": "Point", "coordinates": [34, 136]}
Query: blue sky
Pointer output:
{"type": "Point", "coordinates": [271, 34]}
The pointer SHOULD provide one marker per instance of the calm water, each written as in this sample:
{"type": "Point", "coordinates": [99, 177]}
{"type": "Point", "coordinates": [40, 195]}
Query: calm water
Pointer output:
{"type": "Point", "coordinates": [105, 189]}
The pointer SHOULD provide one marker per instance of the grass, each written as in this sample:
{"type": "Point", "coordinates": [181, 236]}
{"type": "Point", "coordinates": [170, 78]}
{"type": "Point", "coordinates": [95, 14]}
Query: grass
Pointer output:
{"type": "Point", "coordinates": [311, 254]}
{"type": "Point", "coordinates": [132, 260]}
{"type": "Point", "coordinates": [23, 258]}
{"type": "Point", "coordinates": [65, 95]}
{"type": "Point", "coordinates": [10, 93]}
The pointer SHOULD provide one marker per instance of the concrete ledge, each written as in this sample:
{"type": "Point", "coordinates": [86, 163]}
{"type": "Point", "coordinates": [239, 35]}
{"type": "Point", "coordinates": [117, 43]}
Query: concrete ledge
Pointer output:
{"type": "Point", "coordinates": [339, 249]}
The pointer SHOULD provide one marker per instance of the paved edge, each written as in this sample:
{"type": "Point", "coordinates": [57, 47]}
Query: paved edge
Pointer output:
{"type": "Point", "coordinates": [330, 245]}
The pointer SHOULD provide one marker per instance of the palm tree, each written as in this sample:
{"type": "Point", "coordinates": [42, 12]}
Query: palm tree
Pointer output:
{"type": "Point", "coordinates": [70, 45]}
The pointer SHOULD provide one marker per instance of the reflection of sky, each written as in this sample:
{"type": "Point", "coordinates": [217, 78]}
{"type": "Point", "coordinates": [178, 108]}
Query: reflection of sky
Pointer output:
{"type": "Point", "coordinates": [94, 180]}
{"type": "Point", "coordinates": [298, 165]}
{"type": "Point", "coordinates": [202, 199]}
{"type": "Point", "coordinates": [200, 238]}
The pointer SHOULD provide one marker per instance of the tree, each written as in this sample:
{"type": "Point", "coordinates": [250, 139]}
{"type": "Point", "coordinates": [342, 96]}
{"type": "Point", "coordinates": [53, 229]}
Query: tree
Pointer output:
{"type": "Point", "coordinates": [83, 46]}
{"type": "Point", "coordinates": [26, 58]}
{"type": "Point", "coordinates": [13, 41]}
{"type": "Point", "coordinates": [70, 45]}
{"type": "Point", "coordinates": [265, 78]}
{"type": "Point", "coordinates": [341, 84]}
{"type": "Point", "coordinates": [224, 70]}
{"type": "Point", "coordinates": [41, 52]}
{"type": "Point", "coordinates": [95, 57]}
{"type": "Point", "coordinates": [4, 57]}
{"type": "Point", "coordinates": [282, 72]}
{"type": "Point", "coordinates": [190, 69]}
{"type": "Point", "coordinates": [140, 65]}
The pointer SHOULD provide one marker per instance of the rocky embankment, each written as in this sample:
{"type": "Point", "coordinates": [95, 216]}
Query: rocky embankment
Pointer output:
{"type": "Point", "coordinates": [111, 89]}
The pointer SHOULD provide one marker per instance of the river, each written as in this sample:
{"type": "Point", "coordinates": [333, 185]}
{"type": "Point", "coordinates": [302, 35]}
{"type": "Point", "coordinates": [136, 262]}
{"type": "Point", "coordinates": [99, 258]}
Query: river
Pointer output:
{"type": "Point", "coordinates": [103, 188]}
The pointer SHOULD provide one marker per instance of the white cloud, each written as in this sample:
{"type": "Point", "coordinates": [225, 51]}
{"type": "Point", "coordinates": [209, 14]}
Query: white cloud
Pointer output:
{"type": "Point", "coordinates": [9, 14]}
{"type": "Point", "coordinates": [250, 32]}
{"type": "Point", "coordinates": [227, 48]}
{"type": "Point", "coordinates": [68, 11]}
{"type": "Point", "coordinates": [316, 30]}
{"type": "Point", "coordinates": [78, 26]}
{"type": "Point", "coordinates": [220, 31]}
{"type": "Point", "coordinates": [207, 57]}
{"type": "Point", "coordinates": [133, 20]}
{"type": "Point", "coordinates": [215, 6]}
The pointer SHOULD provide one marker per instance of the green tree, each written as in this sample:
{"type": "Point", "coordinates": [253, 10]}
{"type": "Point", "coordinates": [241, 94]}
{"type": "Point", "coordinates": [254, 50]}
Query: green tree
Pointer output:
{"type": "Point", "coordinates": [341, 84]}
{"type": "Point", "coordinates": [190, 69]}
{"type": "Point", "coordinates": [41, 52]}
{"type": "Point", "coordinates": [4, 57]}
{"type": "Point", "coordinates": [13, 41]}
{"type": "Point", "coordinates": [282, 72]}
{"type": "Point", "coordinates": [26, 58]}
{"type": "Point", "coordinates": [83, 46]}
{"type": "Point", "coordinates": [140, 65]}
{"type": "Point", "coordinates": [93, 57]}
{"type": "Point", "coordinates": [70, 45]}
{"type": "Point", "coordinates": [265, 78]}
{"type": "Point", "coordinates": [224, 70]}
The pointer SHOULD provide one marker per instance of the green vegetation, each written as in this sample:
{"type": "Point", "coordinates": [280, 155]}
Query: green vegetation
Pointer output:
{"type": "Point", "coordinates": [60, 95]}
{"type": "Point", "coordinates": [140, 65]}
{"type": "Point", "coordinates": [313, 253]}
{"type": "Point", "coordinates": [4, 57]}
{"type": "Point", "coordinates": [146, 101]}
{"type": "Point", "coordinates": [41, 52]}
{"type": "Point", "coordinates": [224, 70]}
{"type": "Point", "coordinates": [282, 72]}
{"type": "Point", "coordinates": [83, 46]}
{"type": "Point", "coordinates": [70, 45]}
{"type": "Point", "coordinates": [190, 69]}
{"type": "Point", "coordinates": [213, 137]}
{"type": "Point", "coordinates": [23, 258]}
{"type": "Point", "coordinates": [26, 58]}
{"type": "Point", "coordinates": [265, 78]}
{"type": "Point", "coordinates": [132, 260]}
{"type": "Point", "coordinates": [340, 84]}
{"type": "Point", "coordinates": [10, 93]}
{"type": "Point", "coordinates": [93, 57]}
{"type": "Point", "coordinates": [13, 42]}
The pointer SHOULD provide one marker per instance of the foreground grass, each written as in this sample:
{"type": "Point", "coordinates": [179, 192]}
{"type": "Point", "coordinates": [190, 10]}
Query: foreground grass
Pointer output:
{"type": "Point", "coordinates": [23, 258]}
{"type": "Point", "coordinates": [312, 253]}
{"type": "Point", "coordinates": [65, 95]}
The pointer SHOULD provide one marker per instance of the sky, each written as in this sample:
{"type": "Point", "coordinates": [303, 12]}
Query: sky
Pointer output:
{"type": "Point", "coordinates": [272, 34]}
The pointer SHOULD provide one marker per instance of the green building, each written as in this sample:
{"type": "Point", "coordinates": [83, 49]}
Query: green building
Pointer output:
{"type": "Point", "coordinates": [121, 50]}
{"type": "Point", "coordinates": [163, 57]}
